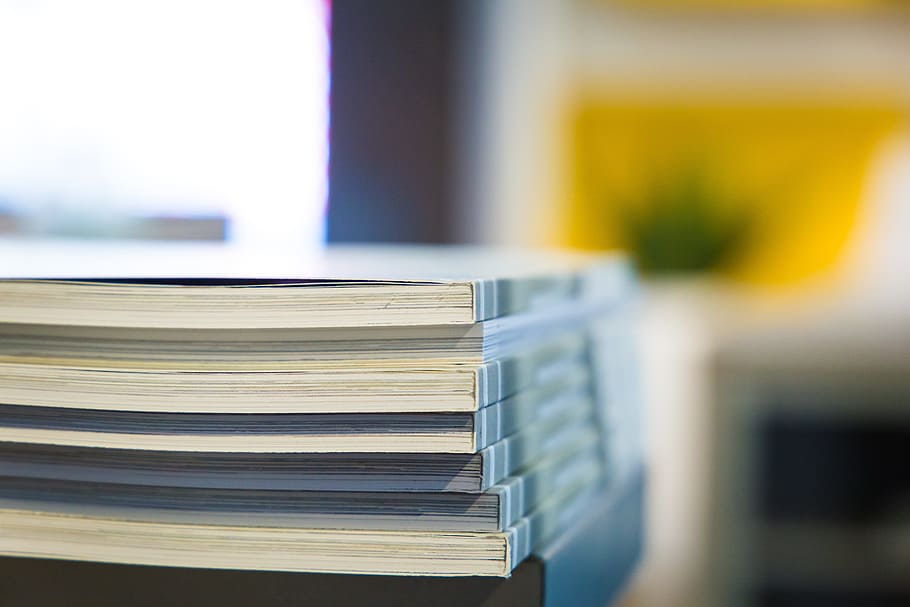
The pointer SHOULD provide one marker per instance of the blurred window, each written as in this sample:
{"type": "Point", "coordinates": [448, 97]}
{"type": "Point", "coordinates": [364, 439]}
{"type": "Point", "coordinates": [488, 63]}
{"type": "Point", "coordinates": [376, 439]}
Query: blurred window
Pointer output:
{"type": "Point", "coordinates": [164, 118]}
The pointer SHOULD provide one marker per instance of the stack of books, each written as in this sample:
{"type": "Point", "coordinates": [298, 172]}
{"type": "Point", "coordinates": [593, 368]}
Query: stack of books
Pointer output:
{"type": "Point", "coordinates": [394, 411]}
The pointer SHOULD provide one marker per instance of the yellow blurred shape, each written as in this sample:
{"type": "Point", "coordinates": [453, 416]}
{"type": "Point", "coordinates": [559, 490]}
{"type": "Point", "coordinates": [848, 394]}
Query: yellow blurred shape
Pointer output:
{"type": "Point", "coordinates": [788, 5]}
{"type": "Point", "coordinates": [797, 169]}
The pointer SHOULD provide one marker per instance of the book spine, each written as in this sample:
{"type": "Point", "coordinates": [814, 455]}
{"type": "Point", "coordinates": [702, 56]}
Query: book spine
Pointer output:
{"type": "Point", "coordinates": [489, 384]}
{"type": "Point", "coordinates": [498, 421]}
{"type": "Point", "coordinates": [494, 298]}
{"type": "Point", "coordinates": [612, 355]}
{"type": "Point", "coordinates": [579, 462]}
{"type": "Point", "coordinates": [498, 379]}
{"type": "Point", "coordinates": [519, 495]}
{"type": "Point", "coordinates": [485, 296]}
{"type": "Point", "coordinates": [487, 426]}
{"type": "Point", "coordinates": [495, 464]}
{"type": "Point", "coordinates": [512, 501]}
{"type": "Point", "coordinates": [504, 457]}
{"type": "Point", "coordinates": [518, 538]}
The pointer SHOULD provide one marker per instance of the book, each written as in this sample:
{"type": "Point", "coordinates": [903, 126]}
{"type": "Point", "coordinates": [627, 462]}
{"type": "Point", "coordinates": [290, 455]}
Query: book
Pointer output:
{"type": "Point", "coordinates": [588, 565]}
{"type": "Point", "coordinates": [156, 384]}
{"type": "Point", "coordinates": [465, 473]}
{"type": "Point", "coordinates": [494, 509]}
{"type": "Point", "coordinates": [226, 288]}
{"type": "Point", "coordinates": [296, 433]}
{"type": "Point", "coordinates": [442, 418]}
{"type": "Point", "coordinates": [60, 530]}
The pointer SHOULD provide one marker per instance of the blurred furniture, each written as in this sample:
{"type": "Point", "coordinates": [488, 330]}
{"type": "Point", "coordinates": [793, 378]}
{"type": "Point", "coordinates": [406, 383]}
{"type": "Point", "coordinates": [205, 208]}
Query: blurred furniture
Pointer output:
{"type": "Point", "coordinates": [811, 501]}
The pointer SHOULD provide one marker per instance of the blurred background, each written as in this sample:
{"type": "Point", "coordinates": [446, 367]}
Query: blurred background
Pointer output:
{"type": "Point", "coordinates": [752, 157]}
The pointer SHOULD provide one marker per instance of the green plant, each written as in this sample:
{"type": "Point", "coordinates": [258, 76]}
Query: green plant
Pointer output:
{"type": "Point", "coordinates": [684, 224]}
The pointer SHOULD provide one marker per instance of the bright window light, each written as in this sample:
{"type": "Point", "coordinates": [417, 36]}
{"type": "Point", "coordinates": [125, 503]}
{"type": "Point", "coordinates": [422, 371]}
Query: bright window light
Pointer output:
{"type": "Point", "coordinates": [116, 110]}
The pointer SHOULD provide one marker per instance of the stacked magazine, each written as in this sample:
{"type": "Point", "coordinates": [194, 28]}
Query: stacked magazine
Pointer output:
{"type": "Point", "coordinates": [405, 411]}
